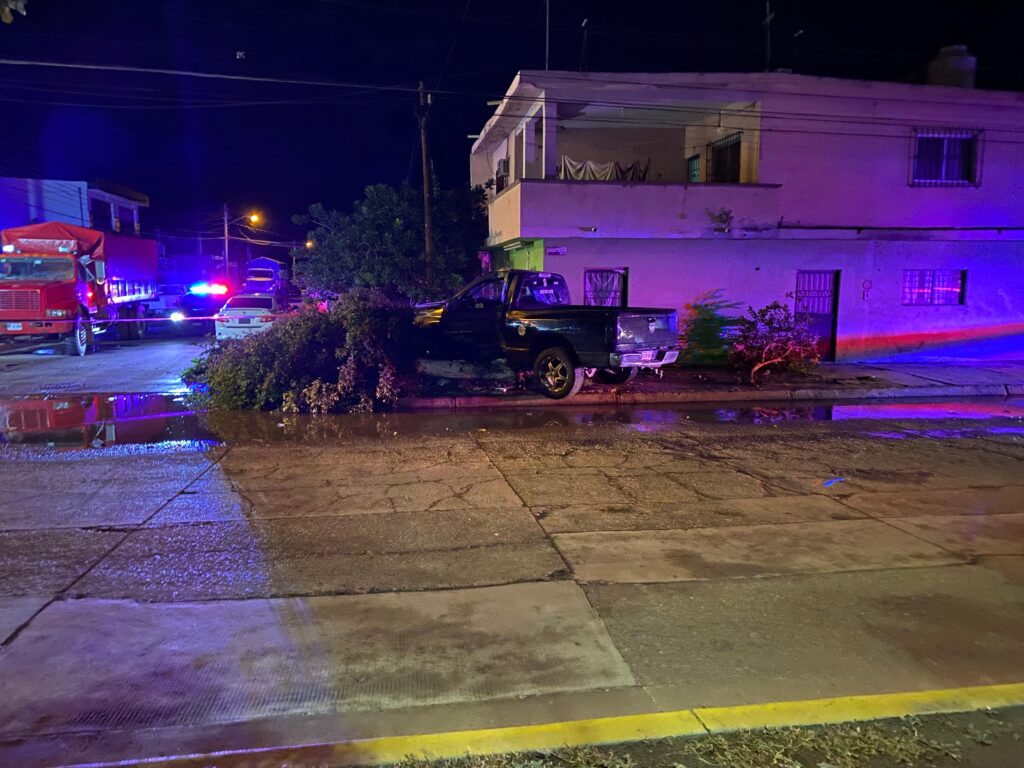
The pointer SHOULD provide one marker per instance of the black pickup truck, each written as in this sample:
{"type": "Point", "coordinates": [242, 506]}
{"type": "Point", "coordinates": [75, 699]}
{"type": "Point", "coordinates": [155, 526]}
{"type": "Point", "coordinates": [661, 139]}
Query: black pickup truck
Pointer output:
{"type": "Point", "coordinates": [528, 318]}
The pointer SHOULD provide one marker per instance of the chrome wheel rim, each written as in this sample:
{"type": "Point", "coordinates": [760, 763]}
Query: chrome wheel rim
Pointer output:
{"type": "Point", "coordinates": [81, 337]}
{"type": "Point", "coordinates": [555, 373]}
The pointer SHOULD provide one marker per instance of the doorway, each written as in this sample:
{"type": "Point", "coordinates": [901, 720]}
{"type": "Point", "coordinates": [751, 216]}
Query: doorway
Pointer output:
{"type": "Point", "coordinates": [817, 302]}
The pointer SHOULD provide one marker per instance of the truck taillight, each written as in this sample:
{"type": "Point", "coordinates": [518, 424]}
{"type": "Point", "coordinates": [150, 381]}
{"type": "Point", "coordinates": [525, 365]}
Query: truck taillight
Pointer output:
{"type": "Point", "coordinates": [267, 319]}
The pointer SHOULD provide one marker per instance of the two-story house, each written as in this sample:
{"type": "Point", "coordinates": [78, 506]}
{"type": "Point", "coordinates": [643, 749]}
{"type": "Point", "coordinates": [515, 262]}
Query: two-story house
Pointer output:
{"type": "Point", "coordinates": [99, 204]}
{"type": "Point", "coordinates": [891, 214]}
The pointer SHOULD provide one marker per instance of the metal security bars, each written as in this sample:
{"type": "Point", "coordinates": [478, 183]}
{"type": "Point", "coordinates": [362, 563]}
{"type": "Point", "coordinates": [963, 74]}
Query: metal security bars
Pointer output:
{"type": "Point", "coordinates": [945, 158]}
{"type": "Point", "coordinates": [941, 287]}
{"type": "Point", "coordinates": [604, 287]}
{"type": "Point", "coordinates": [724, 160]}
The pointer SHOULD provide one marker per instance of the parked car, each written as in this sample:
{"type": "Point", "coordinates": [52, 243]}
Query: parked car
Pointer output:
{"type": "Point", "coordinates": [529, 319]}
{"type": "Point", "coordinates": [261, 280]}
{"type": "Point", "coordinates": [248, 313]}
{"type": "Point", "coordinates": [167, 302]}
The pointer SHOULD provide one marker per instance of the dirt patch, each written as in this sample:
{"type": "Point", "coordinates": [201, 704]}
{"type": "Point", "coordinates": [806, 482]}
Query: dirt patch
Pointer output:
{"type": "Point", "coordinates": [974, 740]}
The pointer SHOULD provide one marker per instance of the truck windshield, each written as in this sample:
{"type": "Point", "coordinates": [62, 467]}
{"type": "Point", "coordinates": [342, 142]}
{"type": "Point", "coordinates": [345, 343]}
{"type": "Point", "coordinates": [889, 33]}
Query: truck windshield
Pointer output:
{"type": "Point", "coordinates": [538, 291]}
{"type": "Point", "coordinates": [13, 268]}
{"type": "Point", "coordinates": [261, 274]}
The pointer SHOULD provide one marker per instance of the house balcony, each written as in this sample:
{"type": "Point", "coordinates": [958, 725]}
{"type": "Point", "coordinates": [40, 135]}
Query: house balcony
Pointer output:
{"type": "Point", "coordinates": [549, 208]}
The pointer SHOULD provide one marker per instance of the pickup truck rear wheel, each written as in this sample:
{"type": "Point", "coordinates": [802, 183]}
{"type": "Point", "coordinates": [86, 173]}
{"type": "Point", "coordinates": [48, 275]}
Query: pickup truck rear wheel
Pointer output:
{"type": "Point", "coordinates": [76, 343]}
{"type": "Point", "coordinates": [616, 375]}
{"type": "Point", "coordinates": [557, 373]}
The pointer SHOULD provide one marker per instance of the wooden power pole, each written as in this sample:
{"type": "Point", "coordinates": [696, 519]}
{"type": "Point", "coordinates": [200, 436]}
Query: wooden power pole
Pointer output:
{"type": "Point", "coordinates": [428, 188]}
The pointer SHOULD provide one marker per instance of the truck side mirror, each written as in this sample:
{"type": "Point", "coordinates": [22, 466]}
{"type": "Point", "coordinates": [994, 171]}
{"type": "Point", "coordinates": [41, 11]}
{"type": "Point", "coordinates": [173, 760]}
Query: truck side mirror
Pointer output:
{"type": "Point", "coordinates": [101, 271]}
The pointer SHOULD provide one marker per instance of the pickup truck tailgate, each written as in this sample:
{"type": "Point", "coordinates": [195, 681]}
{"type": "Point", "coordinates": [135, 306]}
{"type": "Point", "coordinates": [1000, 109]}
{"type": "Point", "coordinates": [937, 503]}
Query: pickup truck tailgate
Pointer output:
{"type": "Point", "coordinates": [646, 329]}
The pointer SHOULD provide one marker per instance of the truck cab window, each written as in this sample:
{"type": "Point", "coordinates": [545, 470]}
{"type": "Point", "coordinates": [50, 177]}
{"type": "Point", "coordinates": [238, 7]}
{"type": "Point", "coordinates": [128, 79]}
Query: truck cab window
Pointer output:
{"type": "Point", "coordinates": [488, 292]}
{"type": "Point", "coordinates": [542, 291]}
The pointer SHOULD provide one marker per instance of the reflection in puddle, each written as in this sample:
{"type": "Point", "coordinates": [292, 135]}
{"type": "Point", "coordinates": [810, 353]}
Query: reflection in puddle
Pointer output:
{"type": "Point", "coordinates": [137, 423]}
{"type": "Point", "coordinates": [102, 421]}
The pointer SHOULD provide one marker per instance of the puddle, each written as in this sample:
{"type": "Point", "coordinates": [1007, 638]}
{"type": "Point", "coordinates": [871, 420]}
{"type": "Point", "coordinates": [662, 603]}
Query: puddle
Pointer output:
{"type": "Point", "coordinates": [103, 422]}
{"type": "Point", "coordinates": [654, 419]}
{"type": "Point", "coordinates": [147, 423]}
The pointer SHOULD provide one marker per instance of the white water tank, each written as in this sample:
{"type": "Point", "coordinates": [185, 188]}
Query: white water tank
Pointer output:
{"type": "Point", "coordinates": [953, 66]}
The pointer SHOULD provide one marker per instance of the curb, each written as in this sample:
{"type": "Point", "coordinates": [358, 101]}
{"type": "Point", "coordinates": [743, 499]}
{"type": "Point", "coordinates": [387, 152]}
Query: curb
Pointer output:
{"type": "Point", "coordinates": [460, 402]}
{"type": "Point", "coordinates": [608, 730]}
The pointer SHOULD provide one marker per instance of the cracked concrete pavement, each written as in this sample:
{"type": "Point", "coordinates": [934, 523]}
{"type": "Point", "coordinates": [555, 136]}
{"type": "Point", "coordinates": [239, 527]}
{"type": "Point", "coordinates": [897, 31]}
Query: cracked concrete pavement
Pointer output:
{"type": "Point", "coordinates": [371, 575]}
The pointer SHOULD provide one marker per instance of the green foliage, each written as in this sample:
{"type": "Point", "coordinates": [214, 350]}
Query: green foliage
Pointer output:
{"type": "Point", "coordinates": [380, 244]}
{"type": "Point", "coordinates": [379, 359]}
{"type": "Point", "coordinates": [772, 336]}
{"type": "Point", "coordinates": [702, 335]}
{"type": "Point", "coordinates": [358, 357]}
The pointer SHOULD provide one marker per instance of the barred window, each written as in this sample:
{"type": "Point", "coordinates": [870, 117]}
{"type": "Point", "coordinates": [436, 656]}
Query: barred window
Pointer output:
{"type": "Point", "coordinates": [945, 158]}
{"type": "Point", "coordinates": [724, 160]}
{"type": "Point", "coordinates": [934, 286]}
{"type": "Point", "coordinates": [605, 287]}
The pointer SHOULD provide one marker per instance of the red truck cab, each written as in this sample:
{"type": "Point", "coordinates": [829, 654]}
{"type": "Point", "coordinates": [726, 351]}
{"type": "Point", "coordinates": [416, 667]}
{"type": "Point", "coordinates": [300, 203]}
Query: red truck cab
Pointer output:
{"type": "Point", "coordinates": [61, 282]}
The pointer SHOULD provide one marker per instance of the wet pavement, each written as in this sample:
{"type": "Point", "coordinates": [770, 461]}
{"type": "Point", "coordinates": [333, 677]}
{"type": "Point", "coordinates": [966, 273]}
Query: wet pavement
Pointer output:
{"type": "Point", "coordinates": [173, 581]}
{"type": "Point", "coordinates": [153, 365]}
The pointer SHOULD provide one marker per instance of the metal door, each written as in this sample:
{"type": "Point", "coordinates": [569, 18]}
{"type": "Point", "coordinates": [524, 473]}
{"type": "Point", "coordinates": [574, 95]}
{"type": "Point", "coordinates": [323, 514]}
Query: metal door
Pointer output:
{"type": "Point", "coordinates": [816, 302]}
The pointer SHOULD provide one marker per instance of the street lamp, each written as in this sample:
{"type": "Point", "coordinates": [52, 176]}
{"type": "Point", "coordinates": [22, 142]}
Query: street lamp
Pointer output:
{"type": "Point", "coordinates": [309, 244]}
{"type": "Point", "coordinates": [252, 217]}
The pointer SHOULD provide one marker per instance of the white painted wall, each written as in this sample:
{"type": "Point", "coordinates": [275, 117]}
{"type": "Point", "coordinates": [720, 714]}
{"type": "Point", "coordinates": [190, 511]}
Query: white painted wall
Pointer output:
{"type": "Point", "coordinates": [873, 325]}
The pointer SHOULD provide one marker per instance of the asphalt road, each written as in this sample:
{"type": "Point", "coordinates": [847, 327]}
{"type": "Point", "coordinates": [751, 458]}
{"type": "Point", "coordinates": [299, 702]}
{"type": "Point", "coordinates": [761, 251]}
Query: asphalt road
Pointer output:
{"type": "Point", "coordinates": [152, 365]}
{"type": "Point", "coordinates": [238, 581]}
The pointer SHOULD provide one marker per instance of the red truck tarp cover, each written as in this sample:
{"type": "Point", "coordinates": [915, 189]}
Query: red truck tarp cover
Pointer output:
{"type": "Point", "coordinates": [54, 237]}
{"type": "Point", "coordinates": [127, 257]}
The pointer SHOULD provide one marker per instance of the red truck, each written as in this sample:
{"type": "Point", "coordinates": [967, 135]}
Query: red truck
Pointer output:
{"type": "Point", "coordinates": [61, 282]}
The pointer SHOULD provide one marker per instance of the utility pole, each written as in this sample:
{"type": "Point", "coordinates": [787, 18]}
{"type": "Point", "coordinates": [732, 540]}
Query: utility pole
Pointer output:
{"type": "Point", "coordinates": [428, 191]}
{"type": "Point", "coordinates": [547, 33]}
{"type": "Point", "coordinates": [226, 263]}
{"type": "Point", "coordinates": [768, 16]}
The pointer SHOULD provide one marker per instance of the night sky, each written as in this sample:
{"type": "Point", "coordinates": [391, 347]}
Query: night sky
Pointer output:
{"type": "Point", "coordinates": [192, 144]}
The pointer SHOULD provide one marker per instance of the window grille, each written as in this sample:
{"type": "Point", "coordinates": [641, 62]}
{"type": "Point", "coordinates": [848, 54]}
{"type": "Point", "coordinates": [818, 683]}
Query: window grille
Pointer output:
{"type": "Point", "coordinates": [945, 158]}
{"type": "Point", "coordinates": [724, 160]}
{"type": "Point", "coordinates": [937, 287]}
{"type": "Point", "coordinates": [604, 287]}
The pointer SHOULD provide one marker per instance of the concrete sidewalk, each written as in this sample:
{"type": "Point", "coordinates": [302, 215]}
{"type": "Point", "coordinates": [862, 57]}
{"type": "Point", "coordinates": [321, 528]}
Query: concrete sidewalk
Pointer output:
{"type": "Point", "coordinates": [830, 381]}
{"type": "Point", "coordinates": [420, 573]}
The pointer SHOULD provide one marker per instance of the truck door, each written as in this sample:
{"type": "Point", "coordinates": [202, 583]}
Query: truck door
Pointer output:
{"type": "Point", "coordinates": [471, 321]}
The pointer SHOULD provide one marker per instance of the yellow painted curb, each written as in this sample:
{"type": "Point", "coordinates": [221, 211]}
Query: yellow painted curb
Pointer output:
{"type": "Point", "coordinates": [605, 730]}
{"type": "Point", "coordinates": [852, 708]}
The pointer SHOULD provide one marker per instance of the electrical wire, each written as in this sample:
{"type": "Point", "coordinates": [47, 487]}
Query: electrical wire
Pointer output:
{"type": "Point", "coordinates": [743, 88]}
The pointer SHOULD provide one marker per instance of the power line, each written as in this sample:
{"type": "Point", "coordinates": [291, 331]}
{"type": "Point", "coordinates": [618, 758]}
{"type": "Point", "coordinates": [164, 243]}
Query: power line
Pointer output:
{"type": "Point", "coordinates": [744, 88]}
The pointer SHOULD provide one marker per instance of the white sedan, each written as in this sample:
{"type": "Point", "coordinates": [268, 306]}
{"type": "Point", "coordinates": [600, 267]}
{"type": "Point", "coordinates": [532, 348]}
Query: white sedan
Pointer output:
{"type": "Point", "coordinates": [248, 313]}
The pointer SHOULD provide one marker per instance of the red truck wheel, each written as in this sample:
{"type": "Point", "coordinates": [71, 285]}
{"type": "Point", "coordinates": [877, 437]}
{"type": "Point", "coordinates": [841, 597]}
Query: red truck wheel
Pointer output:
{"type": "Point", "coordinates": [76, 343]}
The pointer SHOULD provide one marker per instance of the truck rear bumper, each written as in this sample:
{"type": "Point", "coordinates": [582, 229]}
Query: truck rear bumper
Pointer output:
{"type": "Point", "coordinates": [643, 358]}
